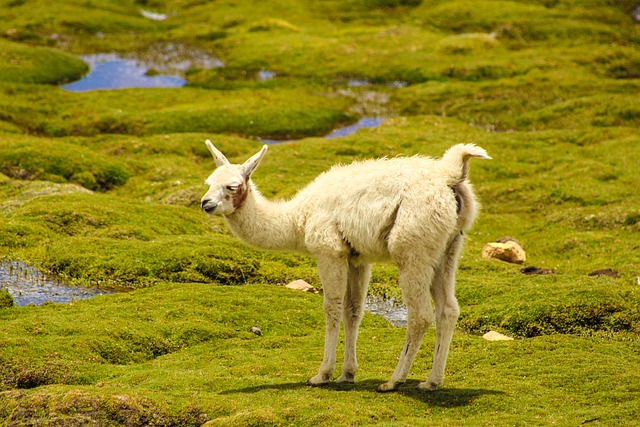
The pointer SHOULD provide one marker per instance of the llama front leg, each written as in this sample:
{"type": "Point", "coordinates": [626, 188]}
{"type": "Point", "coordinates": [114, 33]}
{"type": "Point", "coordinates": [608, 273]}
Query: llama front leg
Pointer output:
{"type": "Point", "coordinates": [415, 294]}
{"type": "Point", "coordinates": [333, 274]}
{"type": "Point", "coordinates": [447, 312]}
{"type": "Point", "coordinates": [353, 310]}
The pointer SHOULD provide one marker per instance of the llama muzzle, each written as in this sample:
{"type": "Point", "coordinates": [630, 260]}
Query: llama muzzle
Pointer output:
{"type": "Point", "coordinates": [208, 206]}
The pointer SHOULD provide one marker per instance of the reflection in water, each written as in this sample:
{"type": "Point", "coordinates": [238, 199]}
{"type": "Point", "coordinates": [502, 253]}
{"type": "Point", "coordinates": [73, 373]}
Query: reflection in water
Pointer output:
{"type": "Point", "coordinates": [264, 75]}
{"type": "Point", "coordinates": [153, 16]}
{"type": "Point", "coordinates": [160, 65]}
{"type": "Point", "coordinates": [109, 71]}
{"type": "Point", "coordinates": [358, 82]}
{"type": "Point", "coordinates": [363, 123]}
{"type": "Point", "coordinates": [395, 313]}
{"type": "Point", "coordinates": [30, 286]}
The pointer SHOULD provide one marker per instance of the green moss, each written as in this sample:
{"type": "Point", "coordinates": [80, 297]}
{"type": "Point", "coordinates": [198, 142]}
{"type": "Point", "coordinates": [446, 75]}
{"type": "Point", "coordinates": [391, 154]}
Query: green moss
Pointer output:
{"type": "Point", "coordinates": [279, 113]}
{"type": "Point", "coordinates": [30, 158]}
{"type": "Point", "coordinates": [184, 353]}
{"type": "Point", "coordinates": [25, 64]}
{"type": "Point", "coordinates": [6, 300]}
{"type": "Point", "coordinates": [467, 43]}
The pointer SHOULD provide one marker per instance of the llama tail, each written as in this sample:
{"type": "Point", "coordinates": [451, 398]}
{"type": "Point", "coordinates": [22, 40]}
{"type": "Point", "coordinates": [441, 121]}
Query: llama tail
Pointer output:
{"type": "Point", "coordinates": [456, 161]}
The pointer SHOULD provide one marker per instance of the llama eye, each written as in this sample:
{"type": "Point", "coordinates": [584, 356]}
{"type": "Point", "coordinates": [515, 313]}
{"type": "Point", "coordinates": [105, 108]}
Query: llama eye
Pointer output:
{"type": "Point", "coordinates": [232, 188]}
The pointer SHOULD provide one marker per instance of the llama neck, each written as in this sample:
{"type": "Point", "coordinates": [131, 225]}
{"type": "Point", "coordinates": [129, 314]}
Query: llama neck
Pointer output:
{"type": "Point", "coordinates": [265, 224]}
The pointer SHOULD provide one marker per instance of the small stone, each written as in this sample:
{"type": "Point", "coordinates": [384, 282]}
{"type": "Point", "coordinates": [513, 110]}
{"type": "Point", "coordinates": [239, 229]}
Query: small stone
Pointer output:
{"type": "Point", "coordinates": [506, 239]}
{"type": "Point", "coordinates": [509, 251]}
{"type": "Point", "coordinates": [638, 280]}
{"type": "Point", "coordinates": [256, 330]}
{"type": "Point", "coordinates": [536, 270]}
{"type": "Point", "coordinates": [604, 272]}
{"type": "Point", "coordinates": [301, 285]}
{"type": "Point", "coordinates": [496, 336]}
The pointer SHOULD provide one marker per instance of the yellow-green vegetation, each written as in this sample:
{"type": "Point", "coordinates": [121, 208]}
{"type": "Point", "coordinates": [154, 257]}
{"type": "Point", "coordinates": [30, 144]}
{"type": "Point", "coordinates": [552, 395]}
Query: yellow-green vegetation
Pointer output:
{"type": "Point", "coordinates": [102, 188]}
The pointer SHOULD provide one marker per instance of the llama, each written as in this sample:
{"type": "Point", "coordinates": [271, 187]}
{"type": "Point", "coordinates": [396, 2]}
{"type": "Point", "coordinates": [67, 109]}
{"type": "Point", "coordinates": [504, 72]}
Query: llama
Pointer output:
{"type": "Point", "coordinates": [412, 211]}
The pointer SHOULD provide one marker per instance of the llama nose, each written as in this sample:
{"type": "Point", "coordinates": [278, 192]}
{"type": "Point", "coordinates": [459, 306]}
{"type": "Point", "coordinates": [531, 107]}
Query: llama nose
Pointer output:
{"type": "Point", "coordinates": [207, 206]}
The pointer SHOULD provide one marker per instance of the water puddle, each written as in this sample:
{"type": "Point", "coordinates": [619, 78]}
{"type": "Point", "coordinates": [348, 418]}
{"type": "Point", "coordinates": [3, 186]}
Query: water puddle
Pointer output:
{"type": "Point", "coordinates": [358, 82]}
{"type": "Point", "coordinates": [394, 312]}
{"type": "Point", "coordinates": [109, 71]}
{"type": "Point", "coordinates": [176, 58]}
{"type": "Point", "coordinates": [28, 285]}
{"type": "Point", "coordinates": [363, 123]}
{"type": "Point", "coordinates": [154, 16]}
{"type": "Point", "coordinates": [264, 75]}
{"type": "Point", "coordinates": [161, 65]}
{"type": "Point", "coordinates": [398, 84]}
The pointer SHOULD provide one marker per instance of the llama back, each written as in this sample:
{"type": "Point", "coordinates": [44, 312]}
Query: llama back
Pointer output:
{"type": "Point", "coordinates": [362, 202]}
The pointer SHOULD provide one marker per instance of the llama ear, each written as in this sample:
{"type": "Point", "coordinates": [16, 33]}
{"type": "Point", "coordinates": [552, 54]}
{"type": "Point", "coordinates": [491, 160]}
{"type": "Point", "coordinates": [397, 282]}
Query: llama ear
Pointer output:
{"type": "Point", "coordinates": [218, 157]}
{"type": "Point", "coordinates": [252, 163]}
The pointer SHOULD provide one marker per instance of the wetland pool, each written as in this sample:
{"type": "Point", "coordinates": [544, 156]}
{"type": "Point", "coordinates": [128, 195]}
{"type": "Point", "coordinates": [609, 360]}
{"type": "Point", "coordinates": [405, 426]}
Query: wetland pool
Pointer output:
{"type": "Point", "coordinates": [29, 286]}
{"type": "Point", "coordinates": [161, 65]}
{"type": "Point", "coordinates": [363, 123]}
{"type": "Point", "coordinates": [109, 71]}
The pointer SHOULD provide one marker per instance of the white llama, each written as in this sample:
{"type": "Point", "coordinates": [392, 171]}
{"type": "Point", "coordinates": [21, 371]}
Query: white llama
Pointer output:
{"type": "Point", "coordinates": [412, 211]}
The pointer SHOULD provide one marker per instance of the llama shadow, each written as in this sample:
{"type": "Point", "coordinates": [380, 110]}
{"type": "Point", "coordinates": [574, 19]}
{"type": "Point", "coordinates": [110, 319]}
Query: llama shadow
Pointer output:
{"type": "Point", "coordinates": [444, 397]}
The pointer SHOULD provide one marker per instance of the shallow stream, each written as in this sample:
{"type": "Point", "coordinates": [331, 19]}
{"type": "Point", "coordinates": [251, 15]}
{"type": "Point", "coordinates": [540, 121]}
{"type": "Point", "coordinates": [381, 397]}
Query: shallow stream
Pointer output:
{"type": "Point", "coordinates": [161, 65]}
{"type": "Point", "coordinates": [109, 71]}
{"type": "Point", "coordinates": [391, 310]}
{"type": "Point", "coordinates": [27, 285]}
{"type": "Point", "coordinates": [363, 123]}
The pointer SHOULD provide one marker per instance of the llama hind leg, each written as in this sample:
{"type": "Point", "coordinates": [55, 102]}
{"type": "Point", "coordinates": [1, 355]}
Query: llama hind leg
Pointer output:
{"type": "Point", "coordinates": [415, 294]}
{"type": "Point", "coordinates": [353, 310]}
{"type": "Point", "coordinates": [333, 274]}
{"type": "Point", "coordinates": [447, 312]}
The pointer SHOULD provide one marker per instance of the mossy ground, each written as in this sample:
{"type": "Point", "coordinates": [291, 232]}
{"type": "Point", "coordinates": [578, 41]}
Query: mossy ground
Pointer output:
{"type": "Point", "coordinates": [102, 188]}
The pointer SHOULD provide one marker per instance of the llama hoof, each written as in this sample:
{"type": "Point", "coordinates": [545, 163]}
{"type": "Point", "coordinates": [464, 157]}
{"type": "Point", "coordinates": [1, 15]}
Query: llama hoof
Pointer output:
{"type": "Point", "coordinates": [346, 378]}
{"type": "Point", "coordinates": [428, 386]}
{"type": "Point", "coordinates": [319, 379]}
{"type": "Point", "coordinates": [386, 387]}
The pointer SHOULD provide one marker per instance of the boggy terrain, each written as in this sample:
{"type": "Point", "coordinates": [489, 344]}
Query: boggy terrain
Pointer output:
{"type": "Point", "coordinates": [101, 188]}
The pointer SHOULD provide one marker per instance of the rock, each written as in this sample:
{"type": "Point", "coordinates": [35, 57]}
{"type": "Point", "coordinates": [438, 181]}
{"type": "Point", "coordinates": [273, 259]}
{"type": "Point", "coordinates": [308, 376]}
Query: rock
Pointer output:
{"type": "Point", "coordinates": [256, 330]}
{"type": "Point", "coordinates": [496, 336]}
{"type": "Point", "coordinates": [509, 251]}
{"type": "Point", "coordinates": [604, 272]}
{"type": "Point", "coordinates": [536, 270]}
{"type": "Point", "coordinates": [638, 280]}
{"type": "Point", "coordinates": [301, 285]}
{"type": "Point", "coordinates": [506, 239]}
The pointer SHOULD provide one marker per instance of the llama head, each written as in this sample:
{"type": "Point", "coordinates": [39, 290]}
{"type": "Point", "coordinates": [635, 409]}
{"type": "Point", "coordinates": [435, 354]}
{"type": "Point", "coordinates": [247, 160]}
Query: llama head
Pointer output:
{"type": "Point", "coordinates": [228, 184]}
